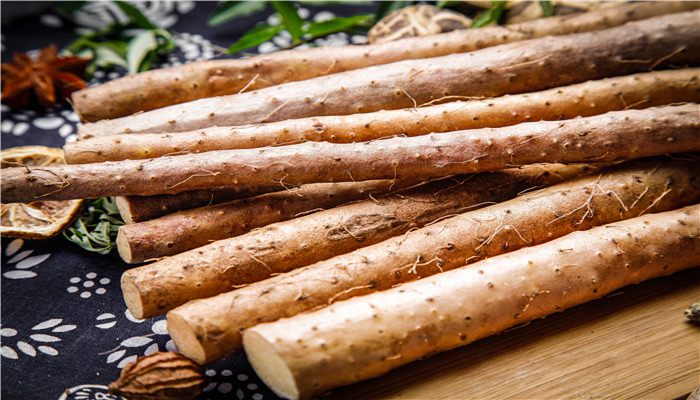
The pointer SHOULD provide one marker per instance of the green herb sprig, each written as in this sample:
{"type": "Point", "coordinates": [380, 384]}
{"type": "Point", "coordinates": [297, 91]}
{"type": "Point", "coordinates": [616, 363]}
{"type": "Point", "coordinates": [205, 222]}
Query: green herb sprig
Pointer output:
{"type": "Point", "coordinates": [547, 8]}
{"type": "Point", "coordinates": [134, 45]}
{"type": "Point", "coordinates": [96, 228]}
{"type": "Point", "coordinates": [302, 31]}
{"type": "Point", "coordinates": [493, 14]}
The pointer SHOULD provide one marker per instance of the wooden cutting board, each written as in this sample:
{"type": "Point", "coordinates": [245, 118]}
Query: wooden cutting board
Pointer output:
{"type": "Point", "coordinates": [632, 344]}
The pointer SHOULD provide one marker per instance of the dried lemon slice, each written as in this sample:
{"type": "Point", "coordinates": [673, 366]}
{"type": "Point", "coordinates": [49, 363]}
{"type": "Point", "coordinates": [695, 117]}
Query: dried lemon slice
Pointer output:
{"type": "Point", "coordinates": [38, 219]}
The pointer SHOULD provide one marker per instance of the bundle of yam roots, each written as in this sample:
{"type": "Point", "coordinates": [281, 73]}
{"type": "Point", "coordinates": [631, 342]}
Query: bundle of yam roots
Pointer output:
{"type": "Point", "coordinates": [421, 193]}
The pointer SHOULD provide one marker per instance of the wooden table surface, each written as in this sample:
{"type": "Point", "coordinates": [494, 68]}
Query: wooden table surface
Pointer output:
{"type": "Point", "coordinates": [632, 344]}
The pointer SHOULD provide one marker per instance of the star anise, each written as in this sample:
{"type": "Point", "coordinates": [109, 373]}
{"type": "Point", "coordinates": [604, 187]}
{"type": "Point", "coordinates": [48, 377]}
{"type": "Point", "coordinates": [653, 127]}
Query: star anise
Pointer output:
{"type": "Point", "coordinates": [49, 76]}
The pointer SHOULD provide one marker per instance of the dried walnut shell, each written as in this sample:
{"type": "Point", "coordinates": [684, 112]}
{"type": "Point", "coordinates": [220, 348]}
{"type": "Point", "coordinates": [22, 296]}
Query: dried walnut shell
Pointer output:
{"type": "Point", "coordinates": [159, 376]}
{"type": "Point", "coordinates": [693, 313]}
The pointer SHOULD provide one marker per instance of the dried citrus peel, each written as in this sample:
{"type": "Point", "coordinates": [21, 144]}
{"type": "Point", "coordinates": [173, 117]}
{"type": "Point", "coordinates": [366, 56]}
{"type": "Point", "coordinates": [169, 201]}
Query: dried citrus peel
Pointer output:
{"type": "Point", "coordinates": [38, 219]}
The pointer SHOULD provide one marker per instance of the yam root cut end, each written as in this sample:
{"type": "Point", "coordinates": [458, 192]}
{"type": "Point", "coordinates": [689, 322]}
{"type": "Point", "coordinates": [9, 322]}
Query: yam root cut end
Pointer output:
{"type": "Point", "coordinates": [124, 209]}
{"type": "Point", "coordinates": [132, 295]}
{"type": "Point", "coordinates": [270, 366]}
{"type": "Point", "coordinates": [124, 248]}
{"type": "Point", "coordinates": [185, 338]}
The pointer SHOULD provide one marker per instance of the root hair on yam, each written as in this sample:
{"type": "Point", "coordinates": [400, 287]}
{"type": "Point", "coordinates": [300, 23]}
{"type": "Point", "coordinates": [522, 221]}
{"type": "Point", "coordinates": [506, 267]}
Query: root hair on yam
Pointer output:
{"type": "Point", "coordinates": [208, 173]}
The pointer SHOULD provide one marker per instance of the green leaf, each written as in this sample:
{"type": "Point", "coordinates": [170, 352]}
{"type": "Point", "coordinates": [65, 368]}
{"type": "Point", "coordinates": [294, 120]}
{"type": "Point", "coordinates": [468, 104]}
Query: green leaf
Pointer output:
{"type": "Point", "coordinates": [492, 15]}
{"type": "Point", "coordinates": [335, 2]}
{"type": "Point", "coordinates": [117, 46]}
{"type": "Point", "coordinates": [547, 8]}
{"type": "Point", "coordinates": [447, 3]}
{"type": "Point", "coordinates": [76, 47]}
{"type": "Point", "coordinates": [340, 24]}
{"type": "Point", "coordinates": [166, 44]}
{"type": "Point", "coordinates": [104, 57]}
{"type": "Point", "coordinates": [135, 15]}
{"type": "Point", "coordinates": [104, 54]}
{"type": "Point", "coordinates": [139, 47]}
{"type": "Point", "coordinates": [291, 20]}
{"type": "Point", "coordinates": [254, 37]}
{"type": "Point", "coordinates": [147, 62]}
{"type": "Point", "coordinates": [230, 10]}
{"type": "Point", "coordinates": [85, 53]}
{"type": "Point", "coordinates": [96, 228]}
{"type": "Point", "coordinates": [386, 7]}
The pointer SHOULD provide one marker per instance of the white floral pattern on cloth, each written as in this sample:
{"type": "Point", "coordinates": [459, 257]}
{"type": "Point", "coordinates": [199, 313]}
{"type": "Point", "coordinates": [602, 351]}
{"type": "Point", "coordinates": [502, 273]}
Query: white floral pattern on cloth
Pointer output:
{"type": "Point", "coordinates": [88, 285]}
{"type": "Point", "coordinates": [106, 321]}
{"type": "Point", "coordinates": [88, 392]}
{"type": "Point", "coordinates": [36, 341]}
{"type": "Point", "coordinates": [18, 123]}
{"type": "Point", "coordinates": [194, 48]}
{"type": "Point", "coordinates": [225, 382]}
{"type": "Point", "coordinates": [139, 344]}
{"type": "Point", "coordinates": [22, 261]}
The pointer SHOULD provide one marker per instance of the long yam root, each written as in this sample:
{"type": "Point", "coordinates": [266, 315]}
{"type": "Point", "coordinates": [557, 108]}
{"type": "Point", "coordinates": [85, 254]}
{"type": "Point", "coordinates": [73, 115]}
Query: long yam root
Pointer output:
{"type": "Point", "coordinates": [585, 99]}
{"type": "Point", "coordinates": [311, 353]}
{"type": "Point", "coordinates": [189, 229]}
{"type": "Point", "coordinates": [163, 87]}
{"type": "Point", "coordinates": [518, 67]}
{"type": "Point", "coordinates": [617, 135]}
{"type": "Point", "coordinates": [207, 329]}
{"type": "Point", "coordinates": [143, 208]}
{"type": "Point", "coordinates": [226, 264]}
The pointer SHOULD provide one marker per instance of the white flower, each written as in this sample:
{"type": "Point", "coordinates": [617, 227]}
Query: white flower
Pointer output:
{"type": "Point", "coordinates": [87, 285]}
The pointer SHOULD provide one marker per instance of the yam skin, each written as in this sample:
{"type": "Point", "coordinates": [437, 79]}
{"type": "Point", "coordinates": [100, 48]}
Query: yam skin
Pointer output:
{"type": "Point", "coordinates": [163, 87]}
{"type": "Point", "coordinates": [617, 135]}
{"type": "Point", "coordinates": [518, 67]}
{"type": "Point", "coordinates": [143, 208]}
{"type": "Point", "coordinates": [189, 229]}
{"type": "Point", "coordinates": [207, 329]}
{"type": "Point", "coordinates": [226, 264]}
{"type": "Point", "coordinates": [584, 99]}
{"type": "Point", "coordinates": [311, 353]}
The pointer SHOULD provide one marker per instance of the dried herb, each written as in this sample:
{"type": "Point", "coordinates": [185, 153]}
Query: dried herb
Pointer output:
{"type": "Point", "coordinates": [96, 228]}
{"type": "Point", "coordinates": [46, 79]}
